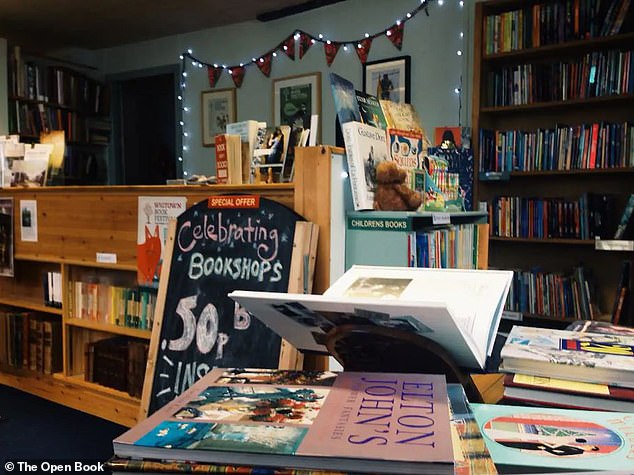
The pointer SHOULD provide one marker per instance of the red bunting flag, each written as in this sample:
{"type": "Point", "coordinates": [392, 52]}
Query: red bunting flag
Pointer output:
{"type": "Point", "coordinates": [288, 46]}
{"type": "Point", "coordinates": [395, 34]}
{"type": "Point", "coordinates": [331, 50]}
{"type": "Point", "coordinates": [237, 74]}
{"type": "Point", "coordinates": [363, 49]}
{"type": "Point", "coordinates": [214, 74]}
{"type": "Point", "coordinates": [264, 64]}
{"type": "Point", "coordinates": [305, 42]}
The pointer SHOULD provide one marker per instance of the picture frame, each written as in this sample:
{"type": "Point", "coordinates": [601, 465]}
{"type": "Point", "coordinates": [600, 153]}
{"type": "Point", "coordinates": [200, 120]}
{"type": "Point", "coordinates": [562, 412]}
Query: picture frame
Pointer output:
{"type": "Point", "coordinates": [397, 71]}
{"type": "Point", "coordinates": [218, 108]}
{"type": "Point", "coordinates": [291, 94]}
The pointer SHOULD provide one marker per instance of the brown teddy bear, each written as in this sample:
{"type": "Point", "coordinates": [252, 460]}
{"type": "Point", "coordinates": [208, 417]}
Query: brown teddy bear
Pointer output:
{"type": "Point", "coordinates": [392, 194]}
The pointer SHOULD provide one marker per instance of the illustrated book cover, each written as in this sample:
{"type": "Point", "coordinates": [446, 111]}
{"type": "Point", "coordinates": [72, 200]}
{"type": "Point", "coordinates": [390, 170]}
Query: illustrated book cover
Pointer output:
{"type": "Point", "coordinates": [567, 393]}
{"type": "Point", "coordinates": [349, 421]}
{"type": "Point", "coordinates": [417, 300]}
{"type": "Point", "coordinates": [580, 356]}
{"type": "Point", "coordinates": [562, 439]}
{"type": "Point", "coordinates": [269, 153]}
{"type": "Point", "coordinates": [370, 110]}
{"type": "Point", "coordinates": [343, 93]}
{"type": "Point", "coordinates": [154, 213]}
{"type": "Point", "coordinates": [366, 146]}
{"type": "Point", "coordinates": [406, 148]}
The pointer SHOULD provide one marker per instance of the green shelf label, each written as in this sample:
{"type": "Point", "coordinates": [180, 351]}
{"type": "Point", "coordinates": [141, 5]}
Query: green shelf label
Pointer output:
{"type": "Point", "coordinates": [380, 224]}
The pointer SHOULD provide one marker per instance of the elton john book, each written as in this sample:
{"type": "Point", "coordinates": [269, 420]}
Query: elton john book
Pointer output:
{"type": "Point", "coordinates": [349, 421]}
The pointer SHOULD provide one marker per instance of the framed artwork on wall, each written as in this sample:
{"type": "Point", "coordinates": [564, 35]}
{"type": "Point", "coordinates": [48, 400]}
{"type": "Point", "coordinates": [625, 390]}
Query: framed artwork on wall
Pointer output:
{"type": "Point", "coordinates": [296, 99]}
{"type": "Point", "coordinates": [388, 79]}
{"type": "Point", "coordinates": [218, 109]}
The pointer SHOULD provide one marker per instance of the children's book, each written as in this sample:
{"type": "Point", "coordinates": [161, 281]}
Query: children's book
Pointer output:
{"type": "Point", "coordinates": [349, 421]}
{"type": "Point", "coordinates": [420, 301]}
{"type": "Point", "coordinates": [534, 438]}
{"type": "Point", "coordinates": [580, 356]}
{"type": "Point", "coordinates": [370, 110]}
{"type": "Point", "coordinates": [366, 146]}
{"type": "Point", "coordinates": [345, 98]}
{"type": "Point", "coordinates": [270, 152]}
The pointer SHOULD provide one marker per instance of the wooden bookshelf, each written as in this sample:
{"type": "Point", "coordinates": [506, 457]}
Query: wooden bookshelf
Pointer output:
{"type": "Point", "coordinates": [521, 110]}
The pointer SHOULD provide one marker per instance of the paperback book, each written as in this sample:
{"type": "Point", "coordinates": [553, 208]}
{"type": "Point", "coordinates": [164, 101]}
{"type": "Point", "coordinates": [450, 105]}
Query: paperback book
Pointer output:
{"type": "Point", "coordinates": [523, 438]}
{"type": "Point", "coordinates": [304, 420]}
{"type": "Point", "coordinates": [415, 300]}
{"type": "Point", "coordinates": [581, 356]}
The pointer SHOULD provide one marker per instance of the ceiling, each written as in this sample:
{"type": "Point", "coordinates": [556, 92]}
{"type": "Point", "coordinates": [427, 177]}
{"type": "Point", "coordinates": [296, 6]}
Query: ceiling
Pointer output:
{"type": "Point", "coordinates": [46, 25]}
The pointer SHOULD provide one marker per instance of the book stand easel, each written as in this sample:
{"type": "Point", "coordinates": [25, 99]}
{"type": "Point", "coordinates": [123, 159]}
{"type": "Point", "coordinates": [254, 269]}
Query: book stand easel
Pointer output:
{"type": "Point", "coordinates": [373, 348]}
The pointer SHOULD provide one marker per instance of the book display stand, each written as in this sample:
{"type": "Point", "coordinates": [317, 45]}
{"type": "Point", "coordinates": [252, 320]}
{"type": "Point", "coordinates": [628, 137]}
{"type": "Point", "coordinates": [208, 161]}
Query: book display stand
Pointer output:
{"type": "Point", "coordinates": [389, 350]}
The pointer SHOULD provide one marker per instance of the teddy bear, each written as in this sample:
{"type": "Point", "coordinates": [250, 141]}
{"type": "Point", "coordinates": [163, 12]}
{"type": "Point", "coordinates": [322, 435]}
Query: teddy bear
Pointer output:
{"type": "Point", "coordinates": [392, 194]}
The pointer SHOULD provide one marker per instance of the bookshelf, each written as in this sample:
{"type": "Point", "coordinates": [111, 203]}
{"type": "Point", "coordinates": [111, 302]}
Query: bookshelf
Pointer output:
{"type": "Point", "coordinates": [553, 110]}
{"type": "Point", "coordinates": [396, 239]}
{"type": "Point", "coordinates": [47, 94]}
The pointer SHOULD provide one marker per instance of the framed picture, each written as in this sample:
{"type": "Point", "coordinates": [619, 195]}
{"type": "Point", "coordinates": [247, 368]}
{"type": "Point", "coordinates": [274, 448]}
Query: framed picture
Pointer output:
{"type": "Point", "coordinates": [388, 79]}
{"type": "Point", "coordinates": [296, 99]}
{"type": "Point", "coordinates": [218, 109]}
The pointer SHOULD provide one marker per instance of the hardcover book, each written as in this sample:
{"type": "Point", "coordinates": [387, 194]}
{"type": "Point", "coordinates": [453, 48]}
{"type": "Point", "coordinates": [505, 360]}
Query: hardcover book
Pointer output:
{"type": "Point", "coordinates": [582, 356]}
{"type": "Point", "coordinates": [345, 98]}
{"type": "Point", "coordinates": [522, 438]}
{"type": "Point", "coordinates": [366, 146]}
{"type": "Point", "coordinates": [350, 421]}
{"type": "Point", "coordinates": [416, 300]}
{"type": "Point", "coordinates": [370, 110]}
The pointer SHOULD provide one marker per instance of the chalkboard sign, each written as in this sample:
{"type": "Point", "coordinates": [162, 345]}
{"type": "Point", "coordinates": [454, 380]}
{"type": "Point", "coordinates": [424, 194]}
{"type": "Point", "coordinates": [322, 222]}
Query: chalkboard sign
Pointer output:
{"type": "Point", "coordinates": [218, 245]}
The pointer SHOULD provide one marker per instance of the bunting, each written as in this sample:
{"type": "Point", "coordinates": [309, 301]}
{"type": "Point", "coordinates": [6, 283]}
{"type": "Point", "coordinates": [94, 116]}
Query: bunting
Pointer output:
{"type": "Point", "coordinates": [395, 34]}
{"type": "Point", "coordinates": [264, 64]}
{"type": "Point", "coordinates": [214, 74]}
{"type": "Point", "coordinates": [237, 74]}
{"type": "Point", "coordinates": [305, 42]}
{"type": "Point", "coordinates": [363, 49]}
{"type": "Point", "coordinates": [331, 49]}
{"type": "Point", "coordinates": [288, 46]}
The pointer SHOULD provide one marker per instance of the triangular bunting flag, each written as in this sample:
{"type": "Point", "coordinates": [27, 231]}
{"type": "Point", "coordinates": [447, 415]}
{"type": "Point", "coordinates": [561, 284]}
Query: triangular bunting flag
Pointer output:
{"type": "Point", "coordinates": [305, 42]}
{"type": "Point", "coordinates": [331, 50]}
{"type": "Point", "coordinates": [264, 63]}
{"type": "Point", "coordinates": [214, 75]}
{"type": "Point", "coordinates": [288, 46]}
{"type": "Point", "coordinates": [237, 74]}
{"type": "Point", "coordinates": [395, 34]}
{"type": "Point", "coordinates": [363, 49]}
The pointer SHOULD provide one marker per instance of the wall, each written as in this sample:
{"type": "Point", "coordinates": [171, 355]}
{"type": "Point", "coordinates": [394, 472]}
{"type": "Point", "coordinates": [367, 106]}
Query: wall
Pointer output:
{"type": "Point", "coordinates": [431, 41]}
{"type": "Point", "coordinates": [4, 115]}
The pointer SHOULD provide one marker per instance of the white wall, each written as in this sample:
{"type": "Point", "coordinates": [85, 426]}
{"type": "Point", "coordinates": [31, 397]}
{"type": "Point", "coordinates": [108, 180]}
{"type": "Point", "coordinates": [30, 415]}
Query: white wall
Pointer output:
{"type": "Point", "coordinates": [431, 41]}
{"type": "Point", "coordinates": [4, 116]}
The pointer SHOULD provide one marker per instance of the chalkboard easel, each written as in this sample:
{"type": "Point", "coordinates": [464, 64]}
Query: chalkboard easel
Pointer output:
{"type": "Point", "coordinates": [218, 245]}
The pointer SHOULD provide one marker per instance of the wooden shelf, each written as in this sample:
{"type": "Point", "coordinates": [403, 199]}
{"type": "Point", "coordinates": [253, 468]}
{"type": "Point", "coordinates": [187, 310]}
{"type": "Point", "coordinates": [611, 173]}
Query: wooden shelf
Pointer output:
{"type": "Point", "coordinates": [79, 380]}
{"type": "Point", "coordinates": [29, 304]}
{"type": "Point", "coordinates": [75, 262]}
{"type": "Point", "coordinates": [560, 49]}
{"type": "Point", "coordinates": [582, 242]}
{"type": "Point", "coordinates": [602, 101]}
{"type": "Point", "coordinates": [105, 327]}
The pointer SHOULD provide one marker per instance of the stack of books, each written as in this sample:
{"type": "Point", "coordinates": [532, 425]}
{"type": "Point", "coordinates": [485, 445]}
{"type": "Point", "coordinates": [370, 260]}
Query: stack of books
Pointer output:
{"type": "Point", "coordinates": [285, 421]}
{"type": "Point", "coordinates": [573, 368]}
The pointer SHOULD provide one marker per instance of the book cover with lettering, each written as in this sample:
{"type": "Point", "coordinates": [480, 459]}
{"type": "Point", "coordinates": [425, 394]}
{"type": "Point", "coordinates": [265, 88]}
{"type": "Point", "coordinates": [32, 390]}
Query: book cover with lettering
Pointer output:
{"type": "Point", "coordinates": [582, 356]}
{"type": "Point", "coordinates": [366, 146]}
{"type": "Point", "coordinates": [349, 421]}
{"type": "Point", "coordinates": [520, 437]}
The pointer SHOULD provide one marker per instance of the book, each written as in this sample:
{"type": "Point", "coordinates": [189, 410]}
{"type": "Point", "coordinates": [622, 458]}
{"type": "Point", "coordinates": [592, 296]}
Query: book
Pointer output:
{"type": "Point", "coordinates": [420, 301]}
{"type": "Point", "coordinates": [366, 147]}
{"type": "Point", "coordinates": [598, 326]}
{"type": "Point", "coordinates": [6, 237]}
{"type": "Point", "coordinates": [522, 438]}
{"type": "Point", "coordinates": [370, 110]}
{"type": "Point", "coordinates": [344, 95]}
{"type": "Point", "coordinates": [623, 297]}
{"type": "Point", "coordinates": [403, 116]}
{"type": "Point", "coordinates": [406, 148]}
{"type": "Point", "coordinates": [566, 393]}
{"type": "Point", "coordinates": [247, 130]}
{"type": "Point", "coordinates": [581, 356]}
{"type": "Point", "coordinates": [270, 153]}
{"type": "Point", "coordinates": [228, 159]}
{"type": "Point", "coordinates": [349, 421]}
{"type": "Point", "coordinates": [623, 229]}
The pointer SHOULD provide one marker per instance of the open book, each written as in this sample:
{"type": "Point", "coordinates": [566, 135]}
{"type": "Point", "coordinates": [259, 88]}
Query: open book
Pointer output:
{"type": "Point", "coordinates": [458, 309]}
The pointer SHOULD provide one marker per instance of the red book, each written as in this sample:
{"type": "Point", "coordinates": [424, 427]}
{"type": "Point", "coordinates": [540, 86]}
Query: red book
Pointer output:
{"type": "Point", "coordinates": [222, 160]}
{"type": "Point", "coordinates": [594, 138]}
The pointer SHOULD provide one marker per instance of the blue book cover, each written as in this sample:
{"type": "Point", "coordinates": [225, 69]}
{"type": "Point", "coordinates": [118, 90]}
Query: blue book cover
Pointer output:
{"type": "Point", "coordinates": [556, 438]}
